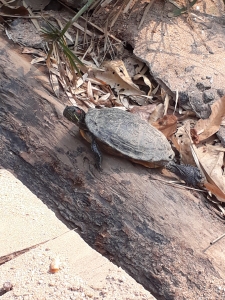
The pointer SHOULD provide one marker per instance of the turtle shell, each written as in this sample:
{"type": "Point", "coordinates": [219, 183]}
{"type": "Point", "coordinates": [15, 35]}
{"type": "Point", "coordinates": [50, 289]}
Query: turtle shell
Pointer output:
{"type": "Point", "coordinates": [129, 135]}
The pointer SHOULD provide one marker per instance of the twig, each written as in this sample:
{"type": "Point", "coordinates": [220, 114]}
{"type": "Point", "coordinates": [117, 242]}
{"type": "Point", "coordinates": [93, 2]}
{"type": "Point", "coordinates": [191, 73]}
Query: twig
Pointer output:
{"type": "Point", "coordinates": [22, 17]}
{"type": "Point", "coordinates": [216, 240]}
{"type": "Point", "coordinates": [173, 183]}
{"type": "Point", "coordinates": [8, 257]}
{"type": "Point", "coordinates": [35, 22]}
{"type": "Point", "coordinates": [145, 13]}
{"type": "Point", "coordinates": [213, 242]}
{"type": "Point", "coordinates": [97, 27]}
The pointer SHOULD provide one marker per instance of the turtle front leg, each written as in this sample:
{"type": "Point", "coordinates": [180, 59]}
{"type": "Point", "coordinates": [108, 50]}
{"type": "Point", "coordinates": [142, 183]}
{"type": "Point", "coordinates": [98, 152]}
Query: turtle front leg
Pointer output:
{"type": "Point", "coordinates": [88, 136]}
{"type": "Point", "coordinates": [97, 154]}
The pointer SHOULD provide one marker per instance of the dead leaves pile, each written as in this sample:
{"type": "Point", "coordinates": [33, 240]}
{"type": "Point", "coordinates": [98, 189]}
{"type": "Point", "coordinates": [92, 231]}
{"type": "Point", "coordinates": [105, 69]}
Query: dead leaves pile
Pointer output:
{"type": "Point", "coordinates": [201, 146]}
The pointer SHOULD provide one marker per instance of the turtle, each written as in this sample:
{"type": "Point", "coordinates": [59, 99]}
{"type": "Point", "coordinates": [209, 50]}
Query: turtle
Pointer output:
{"type": "Point", "coordinates": [122, 133]}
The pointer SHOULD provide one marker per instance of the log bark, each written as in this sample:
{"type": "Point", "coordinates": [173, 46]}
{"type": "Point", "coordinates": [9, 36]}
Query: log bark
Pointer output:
{"type": "Point", "coordinates": [156, 232]}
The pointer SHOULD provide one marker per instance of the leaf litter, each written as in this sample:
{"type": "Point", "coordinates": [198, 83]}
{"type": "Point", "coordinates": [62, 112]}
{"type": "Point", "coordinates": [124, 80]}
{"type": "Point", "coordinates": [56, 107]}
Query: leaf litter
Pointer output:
{"type": "Point", "coordinates": [106, 81]}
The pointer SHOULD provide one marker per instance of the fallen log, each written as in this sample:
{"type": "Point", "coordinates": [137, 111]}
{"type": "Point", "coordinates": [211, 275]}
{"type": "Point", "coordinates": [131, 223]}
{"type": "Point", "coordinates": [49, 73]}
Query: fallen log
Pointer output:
{"type": "Point", "coordinates": [156, 232]}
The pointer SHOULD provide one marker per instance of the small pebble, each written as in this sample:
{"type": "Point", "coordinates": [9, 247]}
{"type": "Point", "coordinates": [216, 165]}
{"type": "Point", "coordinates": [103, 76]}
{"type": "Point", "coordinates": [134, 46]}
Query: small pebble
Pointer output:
{"type": "Point", "coordinates": [40, 281]}
{"type": "Point", "coordinates": [221, 92]}
{"type": "Point", "coordinates": [7, 286]}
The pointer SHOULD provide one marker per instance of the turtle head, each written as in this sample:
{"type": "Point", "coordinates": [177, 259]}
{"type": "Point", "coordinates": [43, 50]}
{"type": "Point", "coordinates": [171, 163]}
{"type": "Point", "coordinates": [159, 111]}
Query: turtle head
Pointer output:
{"type": "Point", "coordinates": [75, 115]}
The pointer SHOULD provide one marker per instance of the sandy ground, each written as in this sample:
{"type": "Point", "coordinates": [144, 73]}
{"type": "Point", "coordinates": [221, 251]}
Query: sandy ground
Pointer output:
{"type": "Point", "coordinates": [83, 273]}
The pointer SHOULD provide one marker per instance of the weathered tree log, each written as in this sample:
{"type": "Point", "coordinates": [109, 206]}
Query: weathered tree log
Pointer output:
{"type": "Point", "coordinates": [156, 232]}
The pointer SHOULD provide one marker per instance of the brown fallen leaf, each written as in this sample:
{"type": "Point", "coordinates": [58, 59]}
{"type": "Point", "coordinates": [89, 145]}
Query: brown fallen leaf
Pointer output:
{"type": "Point", "coordinates": [194, 136]}
{"type": "Point", "coordinates": [157, 113]}
{"type": "Point", "coordinates": [54, 83]}
{"type": "Point", "coordinates": [181, 140]}
{"type": "Point", "coordinates": [37, 60]}
{"type": "Point", "coordinates": [215, 191]}
{"type": "Point", "coordinates": [206, 128]}
{"type": "Point", "coordinates": [175, 142]}
{"type": "Point", "coordinates": [166, 103]}
{"type": "Point", "coordinates": [144, 112]}
{"type": "Point", "coordinates": [27, 50]}
{"type": "Point", "coordinates": [211, 160]}
{"type": "Point", "coordinates": [167, 125]}
{"type": "Point", "coordinates": [116, 75]}
{"type": "Point", "coordinates": [146, 81]}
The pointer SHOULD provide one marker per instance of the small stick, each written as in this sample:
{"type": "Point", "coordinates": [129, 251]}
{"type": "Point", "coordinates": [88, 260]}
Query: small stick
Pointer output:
{"type": "Point", "coordinates": [18, 16]}
{"type": "Point", "coordinates": [216, 240]}
{"type": "Point", "coordinates": [213, 242]}
{"type": "Point", "coordinates": [173, 183]}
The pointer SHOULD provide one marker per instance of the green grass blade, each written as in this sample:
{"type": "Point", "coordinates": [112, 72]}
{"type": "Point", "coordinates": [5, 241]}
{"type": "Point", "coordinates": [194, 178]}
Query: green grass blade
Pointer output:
{"type": "Point", "coordinates": [76, 17]}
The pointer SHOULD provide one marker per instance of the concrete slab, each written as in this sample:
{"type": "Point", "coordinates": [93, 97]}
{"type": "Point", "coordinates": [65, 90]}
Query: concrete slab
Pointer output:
{"type": "Point", "coordinates": [83, 274]}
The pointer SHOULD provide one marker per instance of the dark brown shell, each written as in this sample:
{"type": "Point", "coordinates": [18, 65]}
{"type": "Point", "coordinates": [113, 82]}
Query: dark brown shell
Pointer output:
{"type": "Point", "coordinates": [129, 135]}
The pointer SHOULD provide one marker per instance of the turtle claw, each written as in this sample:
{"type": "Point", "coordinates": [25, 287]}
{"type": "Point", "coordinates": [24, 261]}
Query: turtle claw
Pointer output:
{"type": "Point", "coordinates": [98, 167]}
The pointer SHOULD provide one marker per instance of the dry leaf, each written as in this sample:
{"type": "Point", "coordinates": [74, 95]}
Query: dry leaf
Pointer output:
{"type": "Point", "coordinates": [116, 75]}
{"type": "Point", "coordinates": [124, 101]}
{"type": "Point", "coordinates": [211, 125]}
{"type": "Point", "coordinates": [71, 98]}
{"type": "Point", "coordinates": [194, 136]}
{"type": "Point", "coordinates": [27, 50]}
{"type": "Point", "coordinates": [144, 112]}
{"type": "Point", "coordinates": [215, 191]}
{"type": "Point", "coordinates": [167, 125]}
{"type": "Point", "coordinates": [184, 142]}
{"type": "Point", "coordinates": [146, 81]}
{"type": "Point", "coordinates": [166, 103]}
{"type": "Point", "coordinates": [104, 97]}
{"type": "Point", "coordinates": [90, 92]}
{"type": "Point", "coordinates": [211, 160]}
{"type": "Point", "coordinates": [175, 142]}
{"type": "Point", "coordinates": [155, 90]}
{"type": "Point", "coordinates": [54, 83]}
{"type": "Point", "coordinates": [157, 113]}
{"type": "Point", "coordinates": [38, 60]}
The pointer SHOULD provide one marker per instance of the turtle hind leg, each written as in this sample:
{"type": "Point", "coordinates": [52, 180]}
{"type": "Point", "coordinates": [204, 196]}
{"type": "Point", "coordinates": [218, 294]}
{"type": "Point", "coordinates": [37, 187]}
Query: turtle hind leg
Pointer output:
{"type": "Point", "coordinates": [97, 154]}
